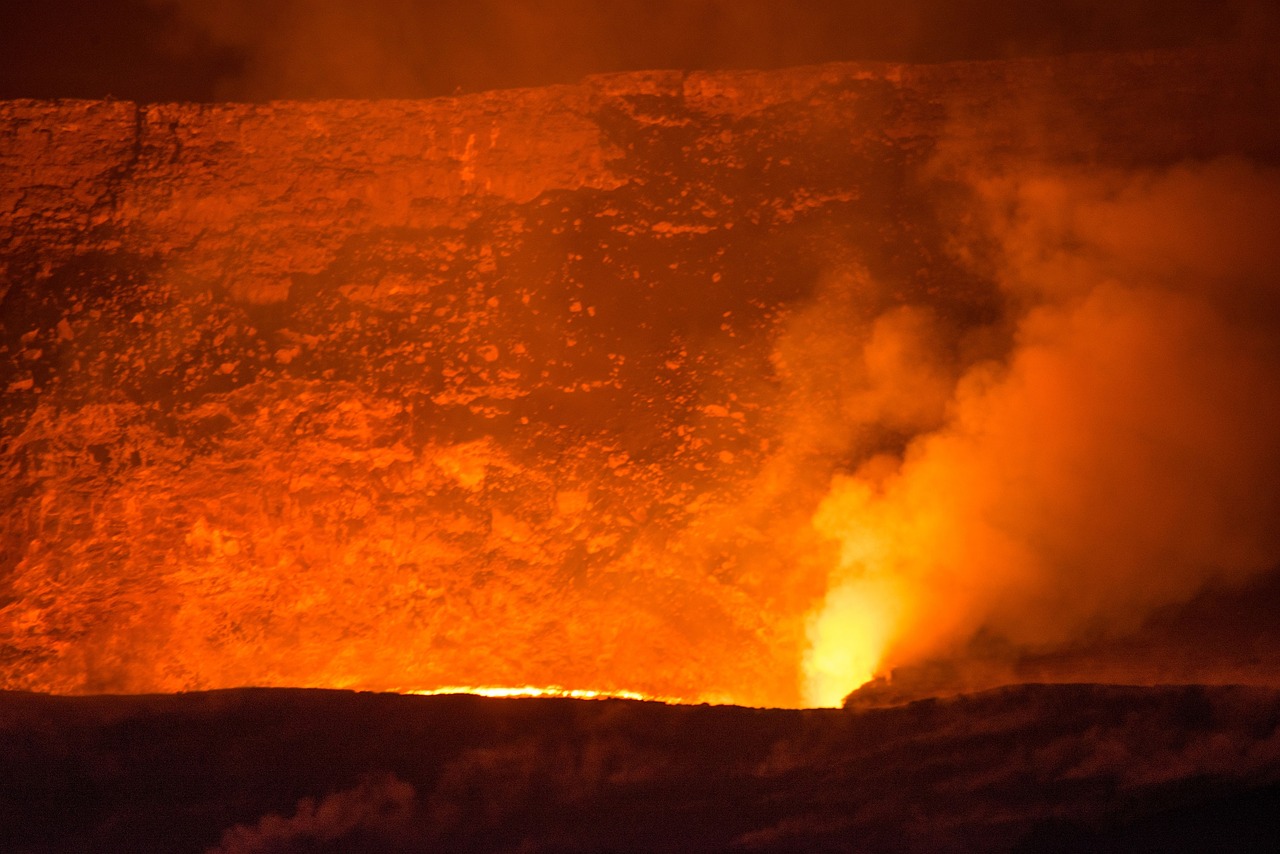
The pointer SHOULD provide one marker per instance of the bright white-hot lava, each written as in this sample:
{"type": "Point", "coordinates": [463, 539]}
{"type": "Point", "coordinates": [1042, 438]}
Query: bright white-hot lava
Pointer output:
{"type": "Point", "coordinates": [550, 691]}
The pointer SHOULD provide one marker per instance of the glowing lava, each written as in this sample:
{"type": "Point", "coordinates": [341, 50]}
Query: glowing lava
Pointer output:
{"type": "Point", "coordinates": [552, 691]}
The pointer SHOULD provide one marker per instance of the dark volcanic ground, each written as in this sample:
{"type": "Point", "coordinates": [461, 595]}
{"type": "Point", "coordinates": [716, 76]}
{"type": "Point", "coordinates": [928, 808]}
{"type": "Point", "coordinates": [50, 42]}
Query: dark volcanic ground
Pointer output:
{"type": "Point", "coordinates": [1026, 768]}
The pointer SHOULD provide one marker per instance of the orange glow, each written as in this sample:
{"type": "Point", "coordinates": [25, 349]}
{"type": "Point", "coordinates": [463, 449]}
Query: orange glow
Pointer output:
{"type": "Point", "coordinates": [848, 639]}
{"type": "Point", "coordinates": [552, 691]}
{"type": "Point", "coordinates": [738, 387]}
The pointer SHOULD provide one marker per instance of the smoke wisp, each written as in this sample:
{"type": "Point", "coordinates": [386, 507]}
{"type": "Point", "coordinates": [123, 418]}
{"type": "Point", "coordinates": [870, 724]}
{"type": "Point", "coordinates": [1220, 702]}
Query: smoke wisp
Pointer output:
{"type": "Point", "coordinates": [375, 811]}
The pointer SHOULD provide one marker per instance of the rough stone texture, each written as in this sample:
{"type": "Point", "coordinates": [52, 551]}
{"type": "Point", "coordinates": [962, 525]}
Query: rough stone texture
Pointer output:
{"type": "Point", "coordinates": [479, 390]}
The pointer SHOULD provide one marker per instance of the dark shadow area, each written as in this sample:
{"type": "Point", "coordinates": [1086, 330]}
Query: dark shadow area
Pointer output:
{"type": "Point", "coordinates": [1024, 768]}
{"type": "Point", "coordinates": [193, 50]}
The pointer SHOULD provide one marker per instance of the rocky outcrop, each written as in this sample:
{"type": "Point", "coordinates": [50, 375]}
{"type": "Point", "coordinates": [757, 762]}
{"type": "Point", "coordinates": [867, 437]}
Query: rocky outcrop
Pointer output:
{"type": "Point", "coordinates": [481, 390]}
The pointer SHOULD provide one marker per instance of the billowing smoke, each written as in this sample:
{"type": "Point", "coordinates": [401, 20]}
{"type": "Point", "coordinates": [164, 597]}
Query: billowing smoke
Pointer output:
{"type": "Point", "coordinates": [1119, 456]}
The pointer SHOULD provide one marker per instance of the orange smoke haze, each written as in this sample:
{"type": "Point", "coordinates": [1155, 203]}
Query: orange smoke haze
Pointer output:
{"type": "Point", "coordinates": [1120, 458]}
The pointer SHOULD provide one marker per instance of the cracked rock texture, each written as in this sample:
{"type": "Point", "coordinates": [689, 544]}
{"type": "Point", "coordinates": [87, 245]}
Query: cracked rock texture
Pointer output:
{"type": "Point", "coordinates": [480, 390]}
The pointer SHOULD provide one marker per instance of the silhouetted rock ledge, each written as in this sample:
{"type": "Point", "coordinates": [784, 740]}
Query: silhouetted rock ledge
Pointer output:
{"type": "Point", "coordinates": [1023, 768]}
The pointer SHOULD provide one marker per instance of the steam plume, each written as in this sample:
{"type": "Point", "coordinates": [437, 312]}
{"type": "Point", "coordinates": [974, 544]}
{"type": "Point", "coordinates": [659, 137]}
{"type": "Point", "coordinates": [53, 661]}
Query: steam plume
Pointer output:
{"type": "Point", "coordinates": [1121, 457]}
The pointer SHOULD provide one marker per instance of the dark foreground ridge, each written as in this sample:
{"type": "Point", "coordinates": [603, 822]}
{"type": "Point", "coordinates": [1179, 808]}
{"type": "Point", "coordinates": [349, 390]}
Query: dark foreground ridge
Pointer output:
{"type": "Point", "coordinates": [1023, 768]}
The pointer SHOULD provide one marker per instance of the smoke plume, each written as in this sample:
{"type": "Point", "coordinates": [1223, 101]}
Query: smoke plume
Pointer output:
{"type": "Point", "coordinates": [1121, 456]}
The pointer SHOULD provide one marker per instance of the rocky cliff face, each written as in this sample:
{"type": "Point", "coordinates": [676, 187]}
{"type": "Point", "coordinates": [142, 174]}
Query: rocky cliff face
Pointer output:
{"type": "Point", "coordinates": [485, 390]}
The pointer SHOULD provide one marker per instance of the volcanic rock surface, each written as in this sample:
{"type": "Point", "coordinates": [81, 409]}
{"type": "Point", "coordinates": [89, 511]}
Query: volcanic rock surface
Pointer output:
{"type": "Point", "coordinates": [484, 390]}
{"type": "Point", "coordinates": [1030, 768]}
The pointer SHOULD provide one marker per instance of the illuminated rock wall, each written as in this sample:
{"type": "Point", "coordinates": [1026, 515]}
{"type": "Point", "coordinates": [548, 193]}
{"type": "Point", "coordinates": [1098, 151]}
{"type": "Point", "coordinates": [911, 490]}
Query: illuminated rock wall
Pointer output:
{"type": "Point", "coordinates": [485, 390]}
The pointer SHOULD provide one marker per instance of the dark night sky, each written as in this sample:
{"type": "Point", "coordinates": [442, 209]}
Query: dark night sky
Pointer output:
{"type": "Point", "coordinates": [158, 50]}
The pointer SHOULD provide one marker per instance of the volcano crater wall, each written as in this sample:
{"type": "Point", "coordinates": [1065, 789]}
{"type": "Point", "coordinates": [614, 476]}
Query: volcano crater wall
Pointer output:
{"type": "Point", "coordinates": [483, 390]}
